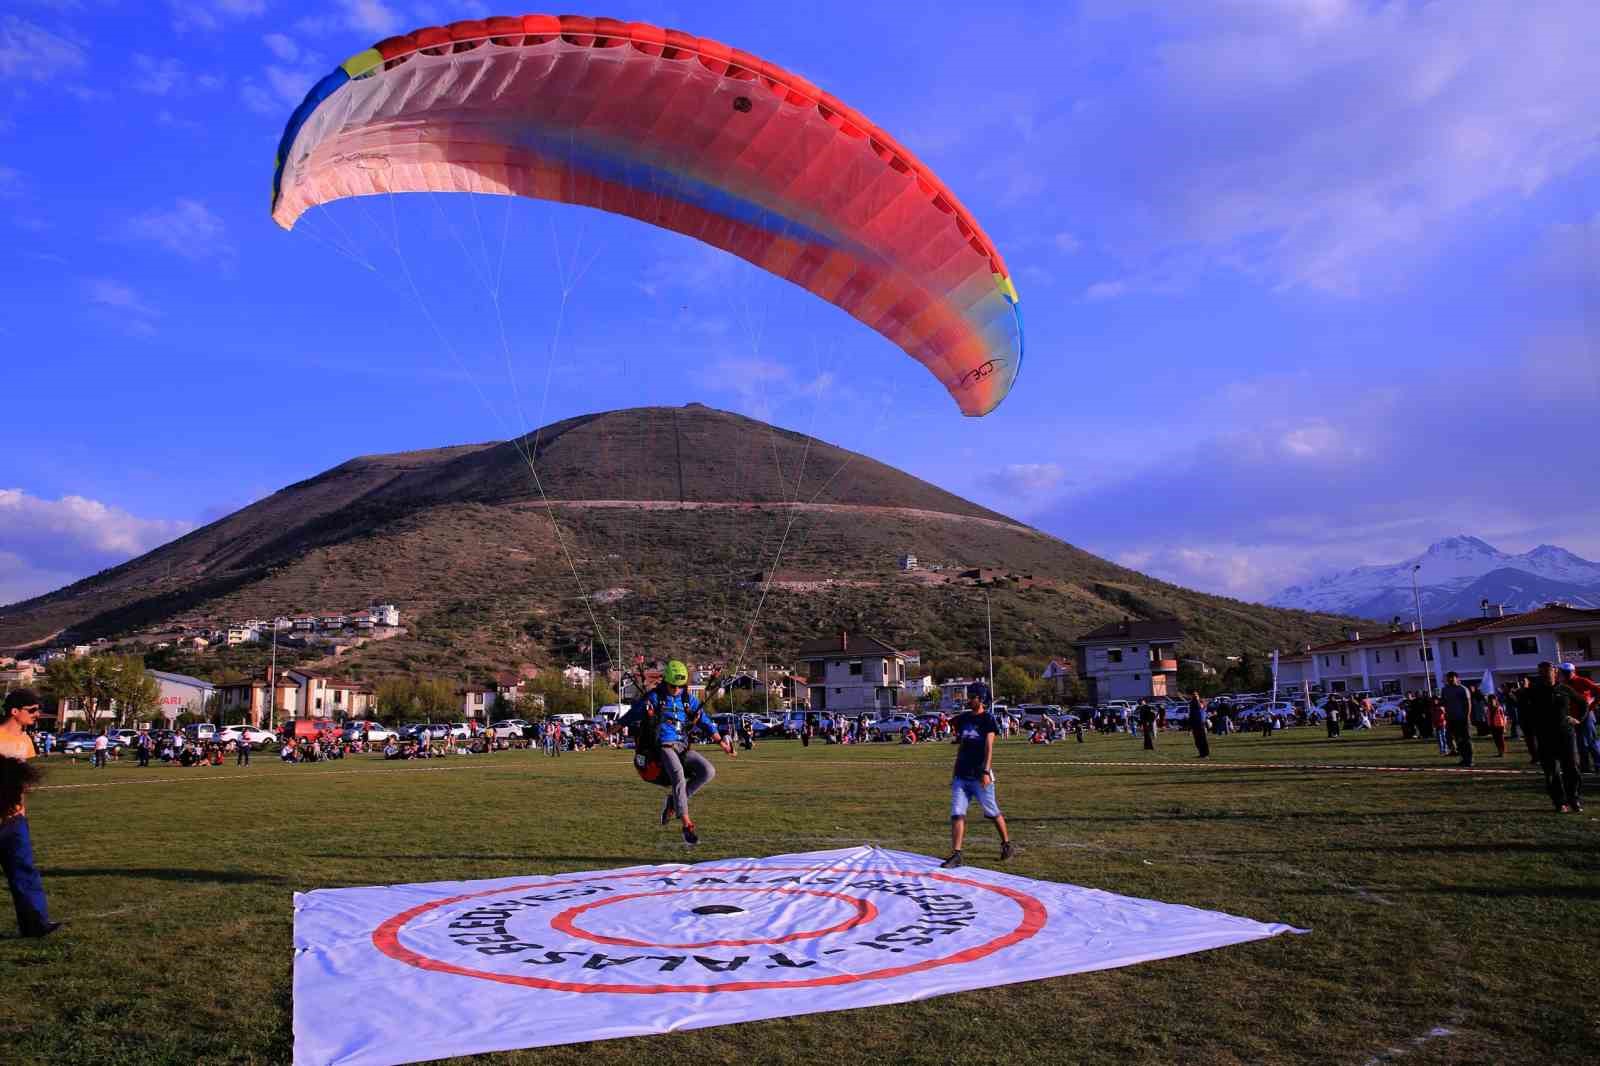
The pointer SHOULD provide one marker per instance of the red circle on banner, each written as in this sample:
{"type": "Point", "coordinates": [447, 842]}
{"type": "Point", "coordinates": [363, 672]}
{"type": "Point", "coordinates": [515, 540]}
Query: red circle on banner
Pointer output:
{"type": "Point", "coordinates": [864, 909]}
{"type": "Point", "coordinates": [386, 938]}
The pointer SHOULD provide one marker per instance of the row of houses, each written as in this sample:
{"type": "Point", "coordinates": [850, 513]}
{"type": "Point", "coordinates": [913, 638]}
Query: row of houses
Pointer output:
{"type": "Point", "coordinates": [1499, 647]}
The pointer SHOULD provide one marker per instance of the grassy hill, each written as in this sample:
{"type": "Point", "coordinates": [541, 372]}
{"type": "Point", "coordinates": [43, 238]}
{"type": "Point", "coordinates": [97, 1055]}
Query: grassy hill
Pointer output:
{"type": "Point", "coordinates": [670, 520]}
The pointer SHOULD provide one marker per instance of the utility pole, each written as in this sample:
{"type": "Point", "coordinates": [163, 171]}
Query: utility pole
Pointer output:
{"type": "Point", "coordinates": [1427, 667]}
{"type": "Point", "coordinates": [989, 623]}
{"type": "Point", "coordinates": [272, 681]}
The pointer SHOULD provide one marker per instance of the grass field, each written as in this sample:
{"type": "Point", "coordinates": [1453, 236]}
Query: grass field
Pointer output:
{"type": "Point", "coordinates": [1454, 918]}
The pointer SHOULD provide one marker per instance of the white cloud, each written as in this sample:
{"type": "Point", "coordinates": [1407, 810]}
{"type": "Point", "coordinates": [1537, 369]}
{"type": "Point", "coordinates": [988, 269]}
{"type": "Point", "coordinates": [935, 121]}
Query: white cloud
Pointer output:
{"type": "Point", "coordinates": [211, 14]}
{"type": "Point", "coordinates": [765, 386]}
{"type": "Point", "coordinates": [1067, 242]}
{"type": "Point", "coordinates": [372, 16]}
{"type": "Point", "coordinates": [1105, 290]}
{"type": "Point", "coordinates": [32, 53]}
{"type": "Point", "coordinates": [1266, 483]}
{"type": "Point", "coordinates": [123, 304]}
{"type": "Point", "coordinates": [47, 543]}
{"type": "Point", "coordinates": [10, 181]}
{"type": "Point", "coordinates": [189, 229]}
{"type": "Point", "coordinates": [282, 46]}
{"type": "Point", "coordinates": [1026, 480]}
{"type": "Point", "coordinates": [1341, 141]}
{"type": "Point", "coordinates": [157, 77]}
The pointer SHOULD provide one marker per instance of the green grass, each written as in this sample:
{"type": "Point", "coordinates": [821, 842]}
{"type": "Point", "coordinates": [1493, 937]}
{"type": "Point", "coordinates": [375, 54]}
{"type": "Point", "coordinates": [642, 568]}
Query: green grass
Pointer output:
{"type": "Point", "coordinates": [1436, 901]}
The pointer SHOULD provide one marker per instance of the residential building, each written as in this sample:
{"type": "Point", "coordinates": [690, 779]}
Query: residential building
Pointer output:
{"type": "Point", "coordinates": [908, 562]}
{"type": "Point", "coordinates": [321, 696]}
{"type": "Point", "coordinates": [16, 675]}
{"type": "Point", "coordinates": [1061, 674]}
{"type": "Point", "coordinates": [920, 687]}
{"type": "Point", "coordinates": [1130, 660]}
{"type": "Point", "coordinates": [247, 701]}
{"type": "Point", "coordinates": [1500, 647]}
{"type": "Point", "coordinates": [385, 614]}
{"type": "Point", "coordinates": [182, 694]}
{"type": "Point", "coordinates": [954, 694]}
{"type": "Point", "coordinates": [305, 623]}
{"type": "Point", "coordinates": [363, 621]}
{"type": "Point", "coordinates": [576, 676]}
{"type": "Point", "coordinates": [850, 675]}
{"type": "Point", "coordinates": [242, 634]}
{"type": "Point", "coordinates": [332, 620]}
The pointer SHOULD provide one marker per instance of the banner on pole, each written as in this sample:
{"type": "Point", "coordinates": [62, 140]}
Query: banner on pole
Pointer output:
{"type": "Point", "coordinates": [408, 973]}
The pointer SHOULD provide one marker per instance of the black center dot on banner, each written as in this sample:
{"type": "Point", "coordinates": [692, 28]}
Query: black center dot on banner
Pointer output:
{"type": "Point", "coordinates": [712, 909]}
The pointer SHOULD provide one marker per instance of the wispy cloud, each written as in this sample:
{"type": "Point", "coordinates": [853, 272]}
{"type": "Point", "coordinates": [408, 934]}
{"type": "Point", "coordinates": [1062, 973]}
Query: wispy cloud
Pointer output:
{"type": "Point", "coordinates": [47, 543]}
{"type": "Point", "coordinates": [29, 52]}
{"type": "Point", "coordinates": [123, 304]}
{"type": "Point", "coordinates": [283, 46]}
{"type": "Point", "coordinates": [282, 85]}
{"type": "Point", "coordinates": [158, 77]}
{"type": "Point", "coordinates": [1023, 483]}
{"type": "Point", "coordinates": [1342, 140]}
{"type": "Point", "coordinates": [189, 229]}
{"type": "Point", "coordinates": [211, 14]}
{"type": "Point", "coordinates": [372, 16]}
{"type": "Point", "coordinates": [1268, 482]}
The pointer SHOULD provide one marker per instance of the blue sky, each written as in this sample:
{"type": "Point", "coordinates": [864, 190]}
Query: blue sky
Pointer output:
{"type": "Point", "coordinates": [1308, 283]}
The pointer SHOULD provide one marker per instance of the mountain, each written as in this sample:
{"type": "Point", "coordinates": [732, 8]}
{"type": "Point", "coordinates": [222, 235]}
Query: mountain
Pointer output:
{"type": "Point", "coordinates": [668, 520]}
{"type": "Point", "coordinates": [1457, 574]}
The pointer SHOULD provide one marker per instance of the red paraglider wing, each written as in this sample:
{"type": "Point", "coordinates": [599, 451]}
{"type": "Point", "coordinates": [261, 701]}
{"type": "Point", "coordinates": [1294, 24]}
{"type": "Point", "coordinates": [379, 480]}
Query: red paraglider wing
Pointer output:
{"type": "Point", "coordinates": [681, 132]}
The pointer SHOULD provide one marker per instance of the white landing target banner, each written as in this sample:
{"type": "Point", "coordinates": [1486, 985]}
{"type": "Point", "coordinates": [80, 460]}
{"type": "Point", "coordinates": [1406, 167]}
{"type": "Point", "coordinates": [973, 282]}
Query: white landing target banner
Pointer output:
{"type": "Point", "coordinates": [408, 973]}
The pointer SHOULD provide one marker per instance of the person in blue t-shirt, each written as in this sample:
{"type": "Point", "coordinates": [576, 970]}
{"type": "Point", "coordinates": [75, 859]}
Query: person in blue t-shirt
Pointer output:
{"type": "Point", "coordinates": [663, 725]}
{"type": "Point", "coordinates": [973, 779]}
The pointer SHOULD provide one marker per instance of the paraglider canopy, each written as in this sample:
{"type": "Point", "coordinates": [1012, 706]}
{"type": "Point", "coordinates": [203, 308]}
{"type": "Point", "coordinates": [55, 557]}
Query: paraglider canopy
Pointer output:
{"type": "Point", "coordinates": [681, 132]}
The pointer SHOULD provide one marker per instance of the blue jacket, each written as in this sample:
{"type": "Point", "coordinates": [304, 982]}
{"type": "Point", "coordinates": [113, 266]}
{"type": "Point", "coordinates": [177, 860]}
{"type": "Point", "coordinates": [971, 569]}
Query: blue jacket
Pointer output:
{"type": "Point", "coordinates": [675, 716]}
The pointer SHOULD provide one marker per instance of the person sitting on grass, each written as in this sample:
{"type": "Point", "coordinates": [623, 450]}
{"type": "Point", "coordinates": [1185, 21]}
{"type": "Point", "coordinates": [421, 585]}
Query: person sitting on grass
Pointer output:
{"type": "Point", "coordinates": [972, 778]}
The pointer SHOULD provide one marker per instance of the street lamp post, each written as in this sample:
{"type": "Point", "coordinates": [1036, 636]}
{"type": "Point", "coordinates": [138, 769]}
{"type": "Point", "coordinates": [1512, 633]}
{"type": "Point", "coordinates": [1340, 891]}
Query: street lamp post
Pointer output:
{"type": "Point", "coordinates": [1427, 667]}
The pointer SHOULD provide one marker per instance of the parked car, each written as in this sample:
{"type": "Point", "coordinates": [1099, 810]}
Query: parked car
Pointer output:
{"type": "Point", "coordinates": [254, 736]}
{"type": "Point", "coordinates": [122, 738]}
{"type": "Point", "coordinates": [1034, 714]}
{"type": "Point", "coordinates": [462, 730]}
{"type": "Point", "coordinates": [512, 729]}
{"type": "Point", "coordinates": [308, 728]}
{"type": "Point", "coordinates": [76, 741]}
{"type": "Point", "coordinates": [368, 729]}
{"type": "Point", "coordinates": [895, 724]}
{"type": "Point", "coordinates": [199, 731]}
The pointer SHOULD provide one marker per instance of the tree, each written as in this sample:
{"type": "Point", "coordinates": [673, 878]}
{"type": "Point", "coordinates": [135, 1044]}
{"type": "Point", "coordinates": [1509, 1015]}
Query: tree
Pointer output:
{"type": "Point", "coordinates": [136, 692]}
{"type": "Point", "coordinates": [1013, 684]}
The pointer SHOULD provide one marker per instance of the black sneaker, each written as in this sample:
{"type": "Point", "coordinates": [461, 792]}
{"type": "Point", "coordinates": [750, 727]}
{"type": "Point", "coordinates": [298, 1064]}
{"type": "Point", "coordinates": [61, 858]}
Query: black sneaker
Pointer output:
{"type": "Point", "coordinates": [668, 809]}
{"type": "Point", "coordinates": [689, 835]}
{"type": "Point", "coordinates": [42, 930]}
{"type": "Point", "coordinates": [1006, 850]}
{"type": "Point", "coordinates": [952, 862]}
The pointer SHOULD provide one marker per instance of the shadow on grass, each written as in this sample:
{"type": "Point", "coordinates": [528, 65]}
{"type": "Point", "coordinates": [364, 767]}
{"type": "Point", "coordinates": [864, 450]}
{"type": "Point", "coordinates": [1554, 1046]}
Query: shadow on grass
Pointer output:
{"type": "Point", "coordinates": [632, 860]}
{"type": "Point", "coordinates": [1586, 892]}
{"type": "Point", "coordinates": [216, 877]}
{"type": "Point", "coordinates": [1518, 847]}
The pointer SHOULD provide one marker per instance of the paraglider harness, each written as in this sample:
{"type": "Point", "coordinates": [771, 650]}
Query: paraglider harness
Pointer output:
{"type": "Point", "coordinates": [646, 731]}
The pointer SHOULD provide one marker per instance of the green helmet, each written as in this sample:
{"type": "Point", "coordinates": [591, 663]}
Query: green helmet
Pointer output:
{"type": "Point", "coordinates": [676, 673]}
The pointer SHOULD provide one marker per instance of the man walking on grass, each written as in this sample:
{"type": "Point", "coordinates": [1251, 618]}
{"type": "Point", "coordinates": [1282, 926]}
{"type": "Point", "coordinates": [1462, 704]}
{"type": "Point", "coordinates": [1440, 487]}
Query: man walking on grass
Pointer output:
{"type": "Point", "coordinates": [1197, 726]}
{"type": "Point", "coordinates": [1458, 715]}
{"type": "Point", "coordinates": [1552, 711]}
{"type": "Point", "coordinates": [973, 779]}
{"type": "Point", "coordinates": [16, 845]}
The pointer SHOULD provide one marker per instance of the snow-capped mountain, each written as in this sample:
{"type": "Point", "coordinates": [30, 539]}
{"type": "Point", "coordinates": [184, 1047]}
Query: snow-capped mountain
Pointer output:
{"type": "Point", "coordinates": [1456, 575]}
